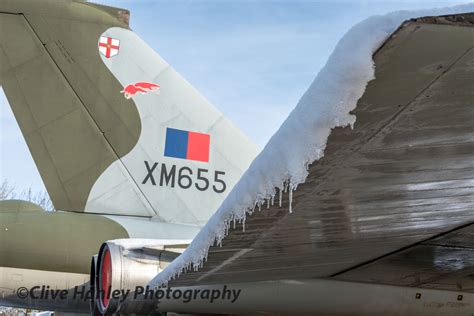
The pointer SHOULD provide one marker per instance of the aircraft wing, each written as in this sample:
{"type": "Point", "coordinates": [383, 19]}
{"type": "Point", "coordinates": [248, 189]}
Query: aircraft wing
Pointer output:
{"type": "Point", "coordinates": [392, 200]}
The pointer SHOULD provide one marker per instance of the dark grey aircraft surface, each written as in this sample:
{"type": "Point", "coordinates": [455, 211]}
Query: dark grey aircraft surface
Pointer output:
{"type": "Point", "coordinates": [136, 161]}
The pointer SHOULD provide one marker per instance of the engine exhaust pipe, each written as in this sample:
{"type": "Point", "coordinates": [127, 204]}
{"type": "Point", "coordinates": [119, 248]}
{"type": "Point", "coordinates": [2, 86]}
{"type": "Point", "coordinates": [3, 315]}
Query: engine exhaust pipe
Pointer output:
{"type": "Point", "coordinates": [122, 265]}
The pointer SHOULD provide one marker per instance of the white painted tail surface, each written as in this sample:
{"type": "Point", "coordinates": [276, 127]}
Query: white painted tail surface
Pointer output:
{"type": "Point", "coordinates": [188, 156]}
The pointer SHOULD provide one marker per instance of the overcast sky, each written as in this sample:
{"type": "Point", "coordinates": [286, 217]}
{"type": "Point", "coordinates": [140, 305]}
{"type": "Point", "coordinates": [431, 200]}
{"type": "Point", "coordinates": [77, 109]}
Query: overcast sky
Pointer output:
{"type": "Point", "coordinates": [252, 59]}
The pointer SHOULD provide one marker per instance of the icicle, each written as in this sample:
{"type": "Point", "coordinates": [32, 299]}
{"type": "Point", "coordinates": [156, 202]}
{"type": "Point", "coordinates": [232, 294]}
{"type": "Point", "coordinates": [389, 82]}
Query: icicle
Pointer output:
{"type": "Point", "coordinates": [280, 197]}
{"type": "Point", "coordinates": [226, 229]}
{"type": "Point", "coordinates": [290, 198]}
{"type": "Point", "coordinates": [259, 207]}
{"type": "Point", "coordinates": [273, 199]}
{"type": "Point", "coordinates": [243, 225]}
{"type": "Point", "coordinates": [268, 203]}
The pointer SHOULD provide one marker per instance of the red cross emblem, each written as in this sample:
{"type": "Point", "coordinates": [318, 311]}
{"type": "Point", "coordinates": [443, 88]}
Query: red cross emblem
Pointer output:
{"type": "Point", "coordinates": [109, 46]}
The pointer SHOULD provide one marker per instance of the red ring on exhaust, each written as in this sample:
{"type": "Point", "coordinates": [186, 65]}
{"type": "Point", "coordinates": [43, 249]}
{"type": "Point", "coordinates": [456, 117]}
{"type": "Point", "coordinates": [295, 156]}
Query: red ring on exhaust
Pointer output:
{"type": "Point", "coordinates": [106, 278]}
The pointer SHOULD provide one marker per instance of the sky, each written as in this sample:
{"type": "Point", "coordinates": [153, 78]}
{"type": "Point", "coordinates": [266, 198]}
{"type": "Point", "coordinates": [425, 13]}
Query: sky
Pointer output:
{"type": "Point", "coordinates": [252, 59]}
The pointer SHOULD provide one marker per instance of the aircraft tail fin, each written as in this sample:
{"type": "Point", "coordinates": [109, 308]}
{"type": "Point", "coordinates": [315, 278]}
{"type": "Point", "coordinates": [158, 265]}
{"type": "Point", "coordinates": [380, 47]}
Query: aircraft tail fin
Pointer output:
{"type": "Point", "coordinates": [113, 129]}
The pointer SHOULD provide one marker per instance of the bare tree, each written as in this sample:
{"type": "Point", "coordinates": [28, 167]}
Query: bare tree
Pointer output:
{"type": "Point", "coordinates": [9, 192]}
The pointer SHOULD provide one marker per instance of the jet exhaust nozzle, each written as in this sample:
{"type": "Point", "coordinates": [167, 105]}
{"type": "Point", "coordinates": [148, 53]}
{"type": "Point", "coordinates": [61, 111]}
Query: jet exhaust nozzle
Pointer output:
{"type": "Point", "coordinates": [123, 265]}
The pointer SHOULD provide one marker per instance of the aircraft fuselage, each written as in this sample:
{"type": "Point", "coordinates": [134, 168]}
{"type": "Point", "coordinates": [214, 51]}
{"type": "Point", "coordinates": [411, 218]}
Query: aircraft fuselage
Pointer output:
{"type": "Point", "coordinates": [47, 251]}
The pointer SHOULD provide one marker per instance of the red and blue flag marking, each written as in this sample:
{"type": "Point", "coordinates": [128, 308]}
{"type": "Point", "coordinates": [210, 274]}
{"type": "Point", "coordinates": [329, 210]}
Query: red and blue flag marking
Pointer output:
{"type": "Point", "coordinates": [187, 145]}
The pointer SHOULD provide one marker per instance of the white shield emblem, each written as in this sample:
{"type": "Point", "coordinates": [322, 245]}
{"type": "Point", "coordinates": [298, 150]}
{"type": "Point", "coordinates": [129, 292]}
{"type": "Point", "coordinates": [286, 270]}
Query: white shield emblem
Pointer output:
{"type": "Point", "coordinates": [109, 46]}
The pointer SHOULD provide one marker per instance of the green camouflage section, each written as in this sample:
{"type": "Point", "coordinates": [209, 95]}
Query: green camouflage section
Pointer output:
{"type": "Point", "coordinates": [31, 238]}
{"type": "Point", "coordinates": [67, 103]}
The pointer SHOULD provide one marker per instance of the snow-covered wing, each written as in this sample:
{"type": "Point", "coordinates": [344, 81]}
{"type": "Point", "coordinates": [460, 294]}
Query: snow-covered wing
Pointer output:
{"type": "Point", "coordinates": [403, 175]}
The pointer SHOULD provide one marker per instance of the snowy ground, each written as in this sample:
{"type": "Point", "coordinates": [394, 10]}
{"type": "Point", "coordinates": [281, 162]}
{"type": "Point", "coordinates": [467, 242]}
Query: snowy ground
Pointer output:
{"type": "Point", "coordinates": [9, 311]}
{"type": "Point", "coordinates": [301, 139]}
